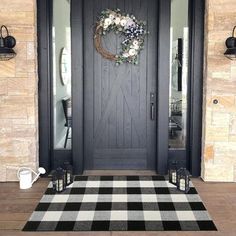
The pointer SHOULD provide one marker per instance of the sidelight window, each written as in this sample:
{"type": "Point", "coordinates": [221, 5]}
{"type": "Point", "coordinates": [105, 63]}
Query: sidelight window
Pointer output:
{"type": "Point", "coordinates": [61, 74]}
{"type": "Point", "coordinates": [178, 90]}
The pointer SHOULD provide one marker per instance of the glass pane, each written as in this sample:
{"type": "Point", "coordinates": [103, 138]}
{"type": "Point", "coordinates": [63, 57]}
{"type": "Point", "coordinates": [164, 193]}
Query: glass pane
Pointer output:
{"type": "Point", "coordinates": [61, 49]}
{"type": "Point", "coordinates": [179, 44]}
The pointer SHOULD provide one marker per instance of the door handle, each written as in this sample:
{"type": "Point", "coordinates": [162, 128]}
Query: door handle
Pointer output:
{"type": "Point", "coordinates": [152, 111]}
{"type": "Point", "coordinates": [152, 106]}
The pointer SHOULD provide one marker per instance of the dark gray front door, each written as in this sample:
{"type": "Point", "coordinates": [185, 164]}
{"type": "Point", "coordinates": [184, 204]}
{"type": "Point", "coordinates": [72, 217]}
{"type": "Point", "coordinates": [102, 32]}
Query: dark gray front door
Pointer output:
{"type": "Point", "coordinates": [118, 130]}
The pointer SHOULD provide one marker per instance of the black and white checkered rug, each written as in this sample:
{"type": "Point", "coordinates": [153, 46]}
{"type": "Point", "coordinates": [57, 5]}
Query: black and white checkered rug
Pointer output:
{"type": "Point", "coordinates": [120, 203]}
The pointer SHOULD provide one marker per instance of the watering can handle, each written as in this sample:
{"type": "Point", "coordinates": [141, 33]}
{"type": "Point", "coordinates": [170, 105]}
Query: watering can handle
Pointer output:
{"type": "Point", "coordinates": [24, 168]}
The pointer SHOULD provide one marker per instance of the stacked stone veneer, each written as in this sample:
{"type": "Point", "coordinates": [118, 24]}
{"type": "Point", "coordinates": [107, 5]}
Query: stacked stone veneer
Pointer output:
{"type": "Point", "coordinates": [219, 120]}
{"type": "Point", "coordinates": [19, 98]}
{"type": "Point", "coordinates": [18, 90]}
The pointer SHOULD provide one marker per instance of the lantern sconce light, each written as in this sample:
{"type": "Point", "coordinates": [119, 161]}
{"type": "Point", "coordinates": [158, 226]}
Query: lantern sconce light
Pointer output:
{"type": "Point", "coordinates": [230, 43]}
{"type": "Point", "coordinates": [6, 45]}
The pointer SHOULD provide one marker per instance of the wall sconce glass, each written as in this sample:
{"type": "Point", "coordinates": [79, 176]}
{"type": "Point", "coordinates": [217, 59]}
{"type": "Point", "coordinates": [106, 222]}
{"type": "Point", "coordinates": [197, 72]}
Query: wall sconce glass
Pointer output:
{"type": "Point", "coordinates": [231, 46]}
{"type": "Point", "coordinates": [6, 45]}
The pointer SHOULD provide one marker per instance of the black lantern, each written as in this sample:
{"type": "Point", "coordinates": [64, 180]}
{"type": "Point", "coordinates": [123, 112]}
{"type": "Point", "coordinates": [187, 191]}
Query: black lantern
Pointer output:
{"type": "Point", "coordinates": [183, 178]}
{"type": "Point", "coordinates": [173, 172]}
{"type": "Point", "coordinates": [6, 45]}
{"type": "Point", "coordinates": [68, 173]}
{"type": "Point", "coordinates": [58, 180]}
{"type": "Point", "coordinates": [231, 46]}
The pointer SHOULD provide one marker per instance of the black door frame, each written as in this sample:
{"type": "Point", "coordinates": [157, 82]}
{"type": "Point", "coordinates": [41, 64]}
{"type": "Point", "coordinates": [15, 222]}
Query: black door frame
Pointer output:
{"type": "Point", "coordinates": [45, 97]}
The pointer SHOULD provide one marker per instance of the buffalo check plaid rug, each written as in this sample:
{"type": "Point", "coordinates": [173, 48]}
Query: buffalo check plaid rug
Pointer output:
{"type": "Point", "coordinates": [120, 203]}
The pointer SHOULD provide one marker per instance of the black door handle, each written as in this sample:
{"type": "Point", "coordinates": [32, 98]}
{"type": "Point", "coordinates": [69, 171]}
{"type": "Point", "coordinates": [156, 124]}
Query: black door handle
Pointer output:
{"type": "Point", "coordinates": [152, 111]}
{"type": "Point", "coordinates": [152, 106]}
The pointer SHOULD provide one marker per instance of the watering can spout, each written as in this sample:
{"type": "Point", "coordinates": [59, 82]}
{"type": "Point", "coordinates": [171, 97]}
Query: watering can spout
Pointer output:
{"type": "Point", "coordinates": [41, 170]}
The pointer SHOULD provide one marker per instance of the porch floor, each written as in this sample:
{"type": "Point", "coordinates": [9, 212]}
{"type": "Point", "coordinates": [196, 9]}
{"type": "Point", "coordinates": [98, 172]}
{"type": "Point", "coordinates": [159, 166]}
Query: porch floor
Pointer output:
{"type": "Point", "coordinates": [17, 205]}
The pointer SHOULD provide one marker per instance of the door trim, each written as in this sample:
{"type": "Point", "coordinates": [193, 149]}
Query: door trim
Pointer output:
{"type": "Point", "coordinates": [77, 86]}
{"type": "Point", "coordinates": [196, 18]}
{"type": "Point", "coordinates": [196, 71]}
{"type": "Point", "coordinates": [163, 86]}
{"type": "Point", "coordinates": [44, 92]}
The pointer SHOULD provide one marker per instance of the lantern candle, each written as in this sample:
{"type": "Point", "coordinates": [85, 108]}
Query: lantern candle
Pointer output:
{"type": "Point", "coordinates": [174, 177]}
{"type": "Point", "coordinates": [173, 172]}
{"type": "Point", "coordinates": [68, 178]}
{"type": "Point", "coordinates": [182, 184]}
{"type": "Point", "coordinates": [60, 186]}
{"type": "Point", "coordinates": [69, 173]}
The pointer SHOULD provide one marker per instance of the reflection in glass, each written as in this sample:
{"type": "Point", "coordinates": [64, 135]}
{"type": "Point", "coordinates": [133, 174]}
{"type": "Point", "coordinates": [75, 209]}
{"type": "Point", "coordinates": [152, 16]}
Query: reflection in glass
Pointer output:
{"type": "Point", "coordinates": [61, 50]}
{"type": "Point", "coordinates": [179, 44]}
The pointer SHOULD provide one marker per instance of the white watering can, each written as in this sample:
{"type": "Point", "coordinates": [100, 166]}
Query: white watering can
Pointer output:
{"type": "Point", "coordinates": [24, 174]}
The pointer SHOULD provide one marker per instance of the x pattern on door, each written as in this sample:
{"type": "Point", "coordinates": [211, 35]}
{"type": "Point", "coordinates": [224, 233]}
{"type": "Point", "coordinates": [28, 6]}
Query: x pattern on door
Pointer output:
{"type": "Point", "coordinates": [119, 88]}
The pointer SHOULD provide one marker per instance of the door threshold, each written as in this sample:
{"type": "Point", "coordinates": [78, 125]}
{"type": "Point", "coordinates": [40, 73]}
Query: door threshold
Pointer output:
{"type": "Point", "coordinates": [119, 172]}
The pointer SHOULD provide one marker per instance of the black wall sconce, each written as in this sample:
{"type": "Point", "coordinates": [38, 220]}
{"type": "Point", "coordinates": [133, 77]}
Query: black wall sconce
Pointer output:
{"type": "Point", "coordinates": [231, 46]}
{"type": "Point", "coordinates": [6, 45]}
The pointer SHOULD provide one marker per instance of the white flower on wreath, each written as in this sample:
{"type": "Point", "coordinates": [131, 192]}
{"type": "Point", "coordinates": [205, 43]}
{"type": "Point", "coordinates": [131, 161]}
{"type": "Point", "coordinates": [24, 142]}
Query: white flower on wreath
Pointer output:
{"type": "Point", "coordinates": [132, 52]}
{"type": "Point", "coordinates": [112, 16]}
{"type": "Point", "coordinates": [123, 22]}
{"type": "Point", "coordinates": [125, 54]}
{"type": "Point", "coordinates": [107, 21]}
{"type": "Point", "coordinates": [117, 20]}
{"type": "Point", "coordinates": [136, 47]}
{"type": "Point", "coordinates": [135, 43]}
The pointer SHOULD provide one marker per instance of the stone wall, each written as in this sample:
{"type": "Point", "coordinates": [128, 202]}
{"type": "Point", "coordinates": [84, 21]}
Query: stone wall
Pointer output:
{"type": "Point", "coordinates": [18, 90]}
{"type": "Point", "coordinates": [219, 120]}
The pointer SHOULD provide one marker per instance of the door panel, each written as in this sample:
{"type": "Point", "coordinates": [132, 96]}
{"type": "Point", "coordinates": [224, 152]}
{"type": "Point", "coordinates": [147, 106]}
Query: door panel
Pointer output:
{"type": "Point", "coordinates": [119, 133]}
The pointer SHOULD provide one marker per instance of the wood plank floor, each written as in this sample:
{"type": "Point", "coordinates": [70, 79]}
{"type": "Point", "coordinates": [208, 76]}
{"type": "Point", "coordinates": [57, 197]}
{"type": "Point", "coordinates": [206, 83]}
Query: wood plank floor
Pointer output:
{"type": "Point", "coordinates": [17, 205]}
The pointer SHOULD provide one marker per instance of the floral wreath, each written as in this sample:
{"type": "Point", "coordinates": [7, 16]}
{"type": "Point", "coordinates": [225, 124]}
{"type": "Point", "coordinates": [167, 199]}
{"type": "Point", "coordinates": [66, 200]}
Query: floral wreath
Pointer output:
{"type": "Point", "coordinates": [133, 30]}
